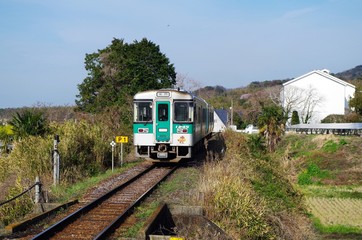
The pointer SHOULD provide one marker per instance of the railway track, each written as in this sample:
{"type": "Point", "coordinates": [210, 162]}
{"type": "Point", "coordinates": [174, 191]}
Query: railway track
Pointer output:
{"type": "Point", "coordinates": [101, 217]}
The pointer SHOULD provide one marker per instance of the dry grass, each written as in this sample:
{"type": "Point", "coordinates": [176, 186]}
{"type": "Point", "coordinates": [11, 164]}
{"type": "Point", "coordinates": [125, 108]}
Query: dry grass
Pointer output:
{"type": "Point", "coordinates": [320, 140]}
{"type": "Point", "coordinates": [249, 197]}
{"type": "Point", "coordinates": [337, 211]}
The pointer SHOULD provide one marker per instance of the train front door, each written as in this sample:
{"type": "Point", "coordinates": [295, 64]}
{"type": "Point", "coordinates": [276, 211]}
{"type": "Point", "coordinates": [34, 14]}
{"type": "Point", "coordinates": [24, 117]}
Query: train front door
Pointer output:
{"type": "Point", "coordinates": [163, 122]}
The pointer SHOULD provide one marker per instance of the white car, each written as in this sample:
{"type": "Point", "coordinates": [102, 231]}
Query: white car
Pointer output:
{"type": "Point", "coordinates": [251, 129]}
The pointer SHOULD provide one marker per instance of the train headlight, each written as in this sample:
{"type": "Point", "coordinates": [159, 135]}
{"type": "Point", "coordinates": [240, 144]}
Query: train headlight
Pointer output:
{"type": "Point", "coordinates": [143, 130]}
{"type": "Point", "coordinates": [182, 130]}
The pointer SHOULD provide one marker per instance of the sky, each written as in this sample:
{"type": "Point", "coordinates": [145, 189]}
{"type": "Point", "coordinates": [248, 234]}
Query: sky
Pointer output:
{"type": "Point", "coordinates": [228, 43]}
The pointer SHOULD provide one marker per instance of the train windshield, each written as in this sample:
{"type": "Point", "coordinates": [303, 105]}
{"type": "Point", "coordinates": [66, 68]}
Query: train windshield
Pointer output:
{"type": "Point", "coordinates": [143, 111]}
{"type": "Point", "coordinates": [183, 111]}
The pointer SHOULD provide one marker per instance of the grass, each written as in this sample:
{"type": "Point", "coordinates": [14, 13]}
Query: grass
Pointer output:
{"type": "Point", "coordinates": [250, 196]}
{"type": "Point", "coordinates": [352, 192]}
{"type": "Point", "coordinates": [142, 213]}
{"type": "Point", "coordinates": [313, 174]}
{"type": "Point", "coordinates": [275, 188]}
{"type": "Point", "coordinates": [64, 193]}
{"type": "Point", "coordinates": [329, 176]}
{"type": "Point", "coordinates": [336, 229]}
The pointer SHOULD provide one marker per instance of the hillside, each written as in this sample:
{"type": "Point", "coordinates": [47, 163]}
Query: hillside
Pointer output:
{"type": "Point", "coordinates": [351, 74]}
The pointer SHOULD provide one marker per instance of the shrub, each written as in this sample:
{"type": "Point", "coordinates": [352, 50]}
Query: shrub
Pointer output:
{"type": "Point", "coordinates": [256, 145]}
{"type": "Point", "coordinates": [295, 118]}
{"type": "Point", "coordinates": [17, 208]}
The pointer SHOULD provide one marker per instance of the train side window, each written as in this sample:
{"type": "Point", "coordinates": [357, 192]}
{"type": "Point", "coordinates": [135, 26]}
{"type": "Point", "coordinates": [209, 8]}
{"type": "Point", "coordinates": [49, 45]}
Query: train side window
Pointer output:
{"type": "Point", "coordinates": [162, 112]}
{"type": "Point", "coordinates": [183, 111]}
{"type": "Point", "coordinates": [143, 111]}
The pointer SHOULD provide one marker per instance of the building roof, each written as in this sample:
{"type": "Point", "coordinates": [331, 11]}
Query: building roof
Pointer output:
{"type": "Point", "coordinates": [324, 73]}
{"type": "Point", "coordinates": [223, 115]}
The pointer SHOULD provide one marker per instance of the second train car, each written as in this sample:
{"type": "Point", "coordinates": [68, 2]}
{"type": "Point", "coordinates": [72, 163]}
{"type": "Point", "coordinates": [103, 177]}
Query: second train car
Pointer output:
{"type": "Point", "coordinates": [169, 124]}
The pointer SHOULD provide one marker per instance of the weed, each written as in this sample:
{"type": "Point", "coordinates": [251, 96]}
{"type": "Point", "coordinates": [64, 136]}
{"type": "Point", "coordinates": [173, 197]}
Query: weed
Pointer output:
{"type": "Point", "coordinates": [256, 145]}
{"type": "Point", "coordinates": [275, 188]}
{"type": "Point", "coordinates": [313, 174]}
{"type": "Point", "coordinates": [330, 146]}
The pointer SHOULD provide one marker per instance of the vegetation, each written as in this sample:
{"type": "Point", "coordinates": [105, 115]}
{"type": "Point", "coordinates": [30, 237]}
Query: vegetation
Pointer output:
{"type": "Point", "coordinates": [347, 118]}
{"type": "Point", "coordinates": [84, 149]}
{"type": "Point", "coordinates": [356, 102]}
{"type": "Point", "coordinates": [29, 123]}
{"type": "Point", "coordinates": [350, 74]}
{"type": "Point", "coordinates": [272, 124]}
{"type": "Point", "coordinates": [6, 137]}
{"type": "Point", "coordinates": [295, 118]}
{"type": "Point", "coordinates": [326, 169]}
{"type": "Point", "coordinates": [120, 71]}
{"type": "Point", "coordinates": [250, 196]}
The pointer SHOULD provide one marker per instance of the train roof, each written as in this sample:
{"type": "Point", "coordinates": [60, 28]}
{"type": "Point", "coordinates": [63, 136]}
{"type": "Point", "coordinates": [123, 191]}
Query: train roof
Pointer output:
{"type": "Point", "coordinates": [166, 93]}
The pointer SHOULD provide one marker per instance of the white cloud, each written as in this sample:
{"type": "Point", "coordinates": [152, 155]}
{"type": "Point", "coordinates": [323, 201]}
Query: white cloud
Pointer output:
{"type": "Point", "coordinates": [298, 13]}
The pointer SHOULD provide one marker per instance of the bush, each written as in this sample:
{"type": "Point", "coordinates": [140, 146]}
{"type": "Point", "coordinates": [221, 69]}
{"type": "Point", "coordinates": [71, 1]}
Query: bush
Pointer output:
{"type": "Point", "coordinates": [84, 151]}
{"type": "Point", "coordinates": [17, 208]}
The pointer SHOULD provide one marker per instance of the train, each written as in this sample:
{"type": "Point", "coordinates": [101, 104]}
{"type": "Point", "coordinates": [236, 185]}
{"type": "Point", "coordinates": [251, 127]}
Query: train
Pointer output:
{"type": "Point", "coordinates": [170, 124]}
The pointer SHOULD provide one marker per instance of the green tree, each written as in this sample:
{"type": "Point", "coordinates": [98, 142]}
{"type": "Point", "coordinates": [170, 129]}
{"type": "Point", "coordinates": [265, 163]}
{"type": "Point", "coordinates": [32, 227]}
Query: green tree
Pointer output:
{"type": "Point", "coordinates": [356, 101]}
{"type": "Point", "coordinates": [29, 122]}
{"type": "Point", "coordinates": [295, 118]}
{"type": "Point", "coordinates": [271, 124]}
{"type": "Point", "coordinates": [121, 70]}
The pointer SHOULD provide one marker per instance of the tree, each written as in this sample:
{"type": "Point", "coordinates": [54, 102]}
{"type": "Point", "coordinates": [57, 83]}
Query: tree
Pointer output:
{"type": "Point", "coordinates": [295, 118]}
{"type": "Point", "coordinates": [186, 83]}
{"type": "Point", "coordinates": [303, 99]}
{"type": "Point", "coordinates": [356, 102]}
{"type": "Point", "coordinates": [120, 71]}
{"type": "Point", "coordinates": [29, 122]}
{"type": "Point", "coordinates": [271, 124]}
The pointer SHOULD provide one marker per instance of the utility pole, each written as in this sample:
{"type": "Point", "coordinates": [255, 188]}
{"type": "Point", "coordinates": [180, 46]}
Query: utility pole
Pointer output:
{"type": "Point", "coordinates": [232, 113]}
{"type": "Point", "coordinates": [56, 161]}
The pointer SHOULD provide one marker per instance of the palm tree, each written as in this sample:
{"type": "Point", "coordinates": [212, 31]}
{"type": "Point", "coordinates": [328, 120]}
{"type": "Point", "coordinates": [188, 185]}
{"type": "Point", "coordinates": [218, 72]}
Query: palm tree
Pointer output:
{"type": "Point", "coordinates": [271, 123]}
{"type": "Point", "coordinates": [29, 123]}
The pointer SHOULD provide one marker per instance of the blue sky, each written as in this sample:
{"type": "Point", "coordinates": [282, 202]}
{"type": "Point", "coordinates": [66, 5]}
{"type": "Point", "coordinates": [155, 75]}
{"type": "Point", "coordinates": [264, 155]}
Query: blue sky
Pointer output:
{"type": "Point", "coordinates": [229, 43]}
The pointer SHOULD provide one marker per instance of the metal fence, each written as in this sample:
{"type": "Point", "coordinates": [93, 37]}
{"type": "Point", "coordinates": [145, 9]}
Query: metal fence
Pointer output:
{"type": "Point", "coordinates": [327, 128]}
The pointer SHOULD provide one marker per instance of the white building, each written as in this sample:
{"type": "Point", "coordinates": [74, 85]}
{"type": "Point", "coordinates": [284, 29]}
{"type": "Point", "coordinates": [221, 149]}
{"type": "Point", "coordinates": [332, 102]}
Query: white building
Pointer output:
{"type": "Point", "coordinates": [220, 120]}
{"type": "Point", "coordinates": [316, 95]}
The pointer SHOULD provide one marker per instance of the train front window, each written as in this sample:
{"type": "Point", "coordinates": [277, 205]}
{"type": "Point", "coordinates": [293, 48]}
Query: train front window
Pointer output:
{"type": "Point", "coordinates": [143, 111]}
{"type": "Point", "coordinates": [183, 111]}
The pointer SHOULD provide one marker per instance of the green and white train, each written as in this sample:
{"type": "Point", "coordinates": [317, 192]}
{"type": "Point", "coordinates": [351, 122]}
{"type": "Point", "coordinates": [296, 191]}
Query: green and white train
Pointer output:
{"type": "Point", "coordinates": [170, 124]}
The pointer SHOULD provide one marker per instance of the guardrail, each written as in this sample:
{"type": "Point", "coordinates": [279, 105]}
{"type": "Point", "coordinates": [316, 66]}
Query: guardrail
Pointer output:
{"type": "Point", "coordinates": [328, 128]}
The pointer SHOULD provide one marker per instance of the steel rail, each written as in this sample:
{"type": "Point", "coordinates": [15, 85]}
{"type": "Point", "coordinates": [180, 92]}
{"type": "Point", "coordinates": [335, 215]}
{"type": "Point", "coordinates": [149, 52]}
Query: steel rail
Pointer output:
{"type": "Point", "coordinates": [110, 228]}
{"type": "Point", "coordinates": [52, 230]}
